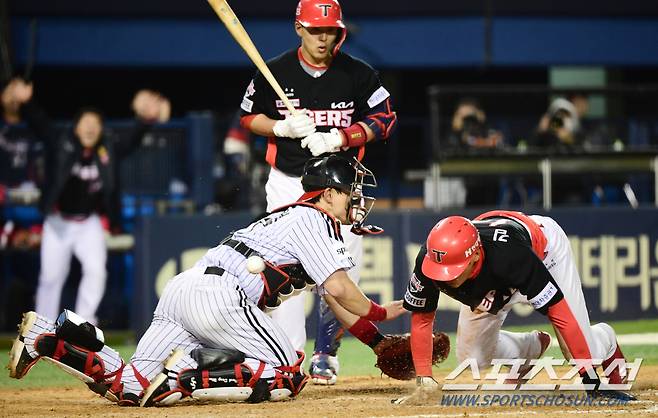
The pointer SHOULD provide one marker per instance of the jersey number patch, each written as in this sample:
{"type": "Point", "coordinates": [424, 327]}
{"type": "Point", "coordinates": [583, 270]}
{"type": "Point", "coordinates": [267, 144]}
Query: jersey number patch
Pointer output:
{"type": "Point", "coordinates": [500, 235]}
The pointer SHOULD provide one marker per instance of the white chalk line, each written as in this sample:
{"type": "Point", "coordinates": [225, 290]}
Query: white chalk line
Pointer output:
{"type": "Point", "coordinates": [649, 410]}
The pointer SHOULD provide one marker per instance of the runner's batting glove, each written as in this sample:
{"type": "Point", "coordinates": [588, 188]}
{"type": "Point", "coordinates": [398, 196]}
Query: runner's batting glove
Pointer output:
{"type": "Point", "coordinates": [323, 142]}
{"type": "Point", "coordinates": [294, 126]}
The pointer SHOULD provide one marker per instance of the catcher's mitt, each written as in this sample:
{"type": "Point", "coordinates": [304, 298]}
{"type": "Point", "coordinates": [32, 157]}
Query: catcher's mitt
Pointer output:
{"type": "Point", "coordinates": [394, 354]}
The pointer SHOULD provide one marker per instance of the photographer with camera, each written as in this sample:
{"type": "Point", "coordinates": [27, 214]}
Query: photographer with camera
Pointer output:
{"type": "Point", "coordinates": [469, 128]}
{"type": "Point", "coordinates": [560, 128]}
{"type": "Point", "coordinates": [470, 134]}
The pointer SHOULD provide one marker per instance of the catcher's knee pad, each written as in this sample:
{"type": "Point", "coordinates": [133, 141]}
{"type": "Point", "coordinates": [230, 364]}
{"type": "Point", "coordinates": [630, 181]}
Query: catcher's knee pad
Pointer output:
{"type": "Point", "coordinates": [288, 380]}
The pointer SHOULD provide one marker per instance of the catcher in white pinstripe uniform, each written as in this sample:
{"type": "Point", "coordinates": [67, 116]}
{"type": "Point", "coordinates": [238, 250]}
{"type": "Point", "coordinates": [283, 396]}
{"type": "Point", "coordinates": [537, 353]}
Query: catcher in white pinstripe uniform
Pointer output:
{"type": "Point", "coordinates": [210, 337]}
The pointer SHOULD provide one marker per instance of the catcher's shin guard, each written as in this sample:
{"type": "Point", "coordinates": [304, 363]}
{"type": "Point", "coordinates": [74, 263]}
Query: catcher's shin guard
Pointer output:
{"type": "Point", "coordinates": [288, 380]}
{"type": "Point", "coordinates": [221, 376]}
{"type": "Point", "coordinates": [81, 363]}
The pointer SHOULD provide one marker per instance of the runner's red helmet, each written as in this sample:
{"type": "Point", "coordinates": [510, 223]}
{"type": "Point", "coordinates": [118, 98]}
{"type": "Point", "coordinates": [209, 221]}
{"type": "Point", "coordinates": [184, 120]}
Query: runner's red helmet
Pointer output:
{"type": "Point", "coordinates": [451, 245]}
{"type": "Point", "coordinates": [320, 14]}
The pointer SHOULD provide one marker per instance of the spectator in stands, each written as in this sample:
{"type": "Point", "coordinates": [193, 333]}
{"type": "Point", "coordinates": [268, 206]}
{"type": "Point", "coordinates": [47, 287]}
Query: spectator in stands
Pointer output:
{"type": "Point", "coordinates": [82, 177]}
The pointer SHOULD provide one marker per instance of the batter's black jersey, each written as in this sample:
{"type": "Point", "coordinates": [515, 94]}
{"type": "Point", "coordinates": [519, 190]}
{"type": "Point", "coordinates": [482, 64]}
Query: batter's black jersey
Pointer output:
{"type": "Point", "coordinates": [509, 265]}
{"type": "Point", "coordinates": [344, 94]}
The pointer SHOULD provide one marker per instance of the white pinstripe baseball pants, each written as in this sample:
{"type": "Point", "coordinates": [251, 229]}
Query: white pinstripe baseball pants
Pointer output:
{"type": "Point", "coordinates": [206, 310]}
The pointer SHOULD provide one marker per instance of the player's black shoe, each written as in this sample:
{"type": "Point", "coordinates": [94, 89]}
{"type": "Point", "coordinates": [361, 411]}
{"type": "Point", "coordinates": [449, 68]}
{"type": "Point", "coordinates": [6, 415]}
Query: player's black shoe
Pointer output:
{"type": "Point", "coordinates": [20, 362]}
{"type": "Point", "coordinates": [597, 392]}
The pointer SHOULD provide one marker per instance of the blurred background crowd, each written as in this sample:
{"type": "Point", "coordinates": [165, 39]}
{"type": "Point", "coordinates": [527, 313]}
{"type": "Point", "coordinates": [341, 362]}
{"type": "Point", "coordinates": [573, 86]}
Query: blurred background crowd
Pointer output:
{"type": "Point", "coordinates": [478, 81]}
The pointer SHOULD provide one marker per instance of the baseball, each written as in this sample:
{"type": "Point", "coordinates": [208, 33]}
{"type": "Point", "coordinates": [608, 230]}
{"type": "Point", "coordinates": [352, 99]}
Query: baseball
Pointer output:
{"type": "Point", "coordinates": [255, 264]}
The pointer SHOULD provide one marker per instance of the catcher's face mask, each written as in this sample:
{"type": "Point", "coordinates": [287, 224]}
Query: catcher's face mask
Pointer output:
{"type": "Point", "coordinates": [360, 204]}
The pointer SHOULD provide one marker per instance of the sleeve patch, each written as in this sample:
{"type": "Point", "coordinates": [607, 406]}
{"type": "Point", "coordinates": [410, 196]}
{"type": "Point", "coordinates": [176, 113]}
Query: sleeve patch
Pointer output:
{"type": "Point", "coordinates": [378, 96]}
{"type": "Point", "coordinates": [247, 105]}
{"type": "Point", "coordinates": [414, 301]}
{"type": "Point", "coordinates": [544, 296]}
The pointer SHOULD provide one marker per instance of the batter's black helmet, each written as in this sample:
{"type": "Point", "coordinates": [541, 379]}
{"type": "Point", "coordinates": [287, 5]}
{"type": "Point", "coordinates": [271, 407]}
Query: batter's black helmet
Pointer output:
{"type": "Point", "coordinates": [340, 173]}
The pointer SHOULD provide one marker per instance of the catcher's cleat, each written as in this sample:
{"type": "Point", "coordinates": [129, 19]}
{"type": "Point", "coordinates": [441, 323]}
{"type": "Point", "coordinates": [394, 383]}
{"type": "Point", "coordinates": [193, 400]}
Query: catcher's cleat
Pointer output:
{"type": "Point", "coordinates": [545, 342]}
{"type": "Point", "coordinates": [159, 391]}
{"type": "Point", "coordinates": [20, 362]}
{"type": "Point", "coordinates": [322, 373]}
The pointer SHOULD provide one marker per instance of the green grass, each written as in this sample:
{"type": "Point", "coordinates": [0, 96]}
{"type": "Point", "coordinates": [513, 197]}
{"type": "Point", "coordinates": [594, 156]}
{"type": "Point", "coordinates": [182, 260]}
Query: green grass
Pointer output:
{"type": "Point", "coordinates": [356, 359]}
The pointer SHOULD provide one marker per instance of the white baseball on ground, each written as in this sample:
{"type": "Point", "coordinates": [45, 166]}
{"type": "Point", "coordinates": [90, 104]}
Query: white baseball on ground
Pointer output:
{"type": "Point", "coordinates": [255, 264]}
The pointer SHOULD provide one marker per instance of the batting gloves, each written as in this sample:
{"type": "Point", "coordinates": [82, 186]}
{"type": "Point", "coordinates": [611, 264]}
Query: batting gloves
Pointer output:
{"type": "Point", "coordinates": [294, 126]}
{"type": "Point", "coordinates": [323, 142]}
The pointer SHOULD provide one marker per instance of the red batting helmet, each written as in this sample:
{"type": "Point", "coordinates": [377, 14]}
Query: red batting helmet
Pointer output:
{"type": "Point", "coordinates": [451, 245]}
{"type": "Point", "coordinates": [322, 13]}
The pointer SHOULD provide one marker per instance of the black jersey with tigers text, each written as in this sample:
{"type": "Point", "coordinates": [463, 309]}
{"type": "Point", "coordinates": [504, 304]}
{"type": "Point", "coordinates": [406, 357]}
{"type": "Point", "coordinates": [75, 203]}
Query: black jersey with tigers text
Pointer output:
{"type": "Point", "coordinates": [337, 98]}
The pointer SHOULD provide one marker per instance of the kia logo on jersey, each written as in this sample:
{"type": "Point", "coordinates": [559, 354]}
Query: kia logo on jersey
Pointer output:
{"type": "Point", "coordinates": [342, 105]}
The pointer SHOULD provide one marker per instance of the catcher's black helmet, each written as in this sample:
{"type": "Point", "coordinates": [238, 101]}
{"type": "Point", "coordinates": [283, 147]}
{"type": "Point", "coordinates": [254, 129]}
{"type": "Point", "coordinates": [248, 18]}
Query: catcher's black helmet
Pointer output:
{"type": "Point", "coordinates": [328, 172]}
{"type": "Point", "coordinates": [337, 172]}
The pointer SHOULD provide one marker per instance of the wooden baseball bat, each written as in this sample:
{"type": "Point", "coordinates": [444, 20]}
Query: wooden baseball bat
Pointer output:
{"type": "Point", "coordinates": [241, 36]}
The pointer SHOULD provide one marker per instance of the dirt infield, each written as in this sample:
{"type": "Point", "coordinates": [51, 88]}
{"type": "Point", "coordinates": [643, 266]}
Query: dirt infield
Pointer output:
{"type": "Point", "coordinates": [353, 397]}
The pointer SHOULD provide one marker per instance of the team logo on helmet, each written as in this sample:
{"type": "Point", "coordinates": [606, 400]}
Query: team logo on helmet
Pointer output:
{"type": "Point", "coordinates": [325, 9]}
{"type": "Point", "coordinates": [438, 255]}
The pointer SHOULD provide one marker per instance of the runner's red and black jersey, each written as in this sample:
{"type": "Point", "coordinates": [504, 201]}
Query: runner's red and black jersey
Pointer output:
{"type": "Point", "coordinates": [509, 265]}
{"type": "Point", "coordinates": [344, 94]}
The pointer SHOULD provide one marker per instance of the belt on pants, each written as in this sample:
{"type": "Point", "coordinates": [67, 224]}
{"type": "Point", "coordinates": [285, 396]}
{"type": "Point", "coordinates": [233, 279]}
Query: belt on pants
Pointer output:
{"type": "Point", "coordinates": [218, 271]}
{"type": "Point", "coordinates": [238, 246]}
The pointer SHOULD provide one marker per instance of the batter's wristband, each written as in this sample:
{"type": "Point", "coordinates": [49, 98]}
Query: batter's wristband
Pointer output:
{"type": "Point", "coordinates": [376, 312]}
{"type": "Point", "coordinates": [366, 332]}
{"type": "Point", "coordinates": [355, 136]}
